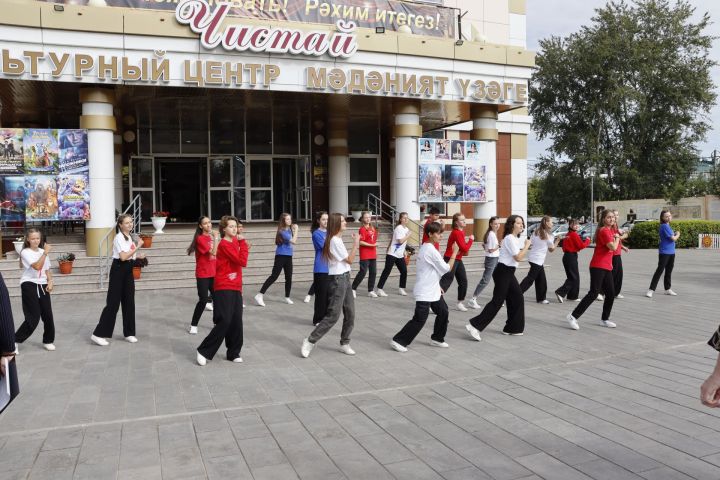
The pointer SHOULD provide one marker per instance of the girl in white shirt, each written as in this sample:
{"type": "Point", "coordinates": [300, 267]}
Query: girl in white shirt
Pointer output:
{"type": "Point", "coordinates": [492, 252]}
{"type": "Point", "coordinates": [541, 242]}
{"type": "Point", "coordinates": [396, 256]}
{"type": "Point", "coordinates": [507, 288]}
{"type": "Point", "coordinates": [121, 288]}
{"type": "Point", "coordinates": [339, 291]}
{"type": "Point", "coordinates": [35, 285]}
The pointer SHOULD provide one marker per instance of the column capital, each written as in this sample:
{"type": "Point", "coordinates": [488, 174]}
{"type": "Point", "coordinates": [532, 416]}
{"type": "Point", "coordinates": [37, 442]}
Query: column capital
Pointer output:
{"type": "Point", "coordinates": [406, 130]}
{"type": "Point", "coordinates": [98, 122]}
{"type": "Point", "coordinates": [97, 95]}
{"type": "Point", "coordinates": [406, 107]}
{"type": "Point", "coordinates": [480, 110]}
{"type": "Point", "coordinates": [488, 134]}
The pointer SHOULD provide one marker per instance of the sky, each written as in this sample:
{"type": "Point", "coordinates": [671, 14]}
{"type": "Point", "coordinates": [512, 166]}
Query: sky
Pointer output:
{"type": "Point", "coordinates": [563, 17]}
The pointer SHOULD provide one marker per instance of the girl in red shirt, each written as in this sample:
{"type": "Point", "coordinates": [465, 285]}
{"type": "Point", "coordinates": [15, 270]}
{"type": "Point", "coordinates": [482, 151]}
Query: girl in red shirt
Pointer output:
{"type": "Point", "coordinates": [202, 246]}
{"type": "Point", "coordinates": [457, 236]}
{"type": "Point", "coordinates": [601, 278]}
{"type": "Point", "coordinates": [571, 245]}
{"type": "Point", "coordinates": [232, 254]}
{"type": "Point", "coordinates": [368, 255]}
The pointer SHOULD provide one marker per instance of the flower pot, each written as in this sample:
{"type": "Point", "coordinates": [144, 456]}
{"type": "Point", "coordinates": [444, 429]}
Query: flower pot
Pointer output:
{"type": "Point", "coordinates": [356, 214]}
{"type": "Point", "coordinates": [136, 273]}
{"type": "Point", "coordinates": [66, 267]}
{"type": "Point", "coordinates": [407, 259]}
{"type": "Point", "coordinates": [158, 223]}
{"type": "Point", "coordinates": [147, 241]}
{"type": "Point", "coordinates": [18, 246]}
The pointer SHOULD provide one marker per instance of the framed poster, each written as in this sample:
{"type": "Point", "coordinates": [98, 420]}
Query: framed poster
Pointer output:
{"type": "Point", "coordinates": [40, 151]}
{"type": "Point", "coordinates": [41, 201]}
{"type": "Point", "coordinates": [11, 151]}
{"type": "Point", "coordinates": [73, 151]}
{"type": "Point", "coordinates": [452, 170]}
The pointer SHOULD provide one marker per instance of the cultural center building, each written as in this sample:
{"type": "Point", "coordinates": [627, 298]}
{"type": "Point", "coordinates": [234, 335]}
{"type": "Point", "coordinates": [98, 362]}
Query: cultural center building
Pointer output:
{"type": "Point", "coordinates": [257, 107]}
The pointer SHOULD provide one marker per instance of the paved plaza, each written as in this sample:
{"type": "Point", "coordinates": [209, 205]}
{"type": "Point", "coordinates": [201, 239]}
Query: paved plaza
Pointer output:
{"type": "Point", "coordinates": [555, 404]}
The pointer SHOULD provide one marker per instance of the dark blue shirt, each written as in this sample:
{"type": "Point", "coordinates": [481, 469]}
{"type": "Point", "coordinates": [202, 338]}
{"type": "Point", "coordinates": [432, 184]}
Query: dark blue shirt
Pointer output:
{"type": "Point", "coordinates": [318, 239]}
{"type": "Point", "coordinates": [667, 244]}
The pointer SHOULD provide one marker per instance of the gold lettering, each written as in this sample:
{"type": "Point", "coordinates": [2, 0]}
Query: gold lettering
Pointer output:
{"type": "Point", "coordinates": [317, 78]}
{"type": "Point", "coordinates": [34, 59]}
{"type": "Point", "coordinates": [83, 63]}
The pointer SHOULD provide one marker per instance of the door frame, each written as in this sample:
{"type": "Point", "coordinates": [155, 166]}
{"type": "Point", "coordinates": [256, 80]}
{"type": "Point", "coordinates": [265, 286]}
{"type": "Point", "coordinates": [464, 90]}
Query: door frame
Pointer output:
{"type": "Point", "coordinates": [303, 193]}
{"type": "Point", "coordinates": [228, 188]}
{"type": "Point", "coordinates": [135, 190]}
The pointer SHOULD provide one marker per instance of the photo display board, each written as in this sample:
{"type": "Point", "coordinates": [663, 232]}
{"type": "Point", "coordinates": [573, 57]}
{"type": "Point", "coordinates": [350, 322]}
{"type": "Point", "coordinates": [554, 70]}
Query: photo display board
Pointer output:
{"type": "Point", "coordinates": [451, 170]}
{"type": "Point", "coordinates": [44, 174]}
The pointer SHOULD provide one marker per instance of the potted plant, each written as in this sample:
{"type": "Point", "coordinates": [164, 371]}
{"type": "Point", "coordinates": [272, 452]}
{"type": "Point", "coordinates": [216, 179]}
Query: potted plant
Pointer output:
{"type": "Point", "coordinates": [158, 220]}
{"type": "Point", "coordinates": [356, 211]}
{"type": "Point", "coordinates": [147, 240]}
{"type": "Point", "coordinates": [138, 265]}
{"type": "Point", "coordinates": [409, 252]}
{"type": "Point", "coordinates": [66, 262]}
{"type": "Point", "coordinates": [18, 243]}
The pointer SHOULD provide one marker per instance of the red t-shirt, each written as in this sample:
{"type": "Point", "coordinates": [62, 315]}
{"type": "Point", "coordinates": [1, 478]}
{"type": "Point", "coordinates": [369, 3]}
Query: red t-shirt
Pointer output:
{"type": "Point", "coordinates": [232, 256]}
{"type": "Point", "coordinates": [458, 236]}
{"type": "Point", "coordinates": [602, 257]}
{"type": "Point", "coordinates": [368, 235]}
{"type": "Point", "coordinates": [426, 237]}
{"type": "Point", "coordinates": [573, 243]}
{"type": "Point", "coordinates": [204, 261]}
{"type": "Point", "coordinates": [618, 251]}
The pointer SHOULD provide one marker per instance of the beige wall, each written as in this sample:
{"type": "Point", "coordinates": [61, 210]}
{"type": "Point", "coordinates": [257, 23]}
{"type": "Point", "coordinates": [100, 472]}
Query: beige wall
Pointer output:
{"type": "Point", "coordinates": [696, 208]}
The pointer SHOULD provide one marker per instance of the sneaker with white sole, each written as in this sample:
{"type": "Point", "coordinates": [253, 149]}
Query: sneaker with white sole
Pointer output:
{"type": "Point", "coordinates": [354, 294]}
{"type": "Point", "coordinates": [600, 298]}
{"type": "Point", "coordinates": [461, 306]}
{"type": "Point", "coordinates": [608, 323]}
{"type": "Point", "coordinates": [289, 301]}
{"type": "Point", "coordinates": [131, 339]}
{"type": "Point", "coordinates": [202, 361]}
{"type": "Point", "coordinates": [209, 307]}
{"type": "Point", "coordinates": [99, 341]}
{"type": "Point", "coordinates": [237, 360]}
{"type": "Point", "coordinates": [401, 291]}
{"type": "Point", "coordinates": [192, 330]}
{"type": "Point", "coordinates": [572, 321]}
{"type": "Point", "coordinates": [435, 343]}
{"type": "Point", "coordinates": [473, 303]}
{"type": "Point", "coordinates": [670, 292]}
{"type": "Point", "coordinates": [518, 334]}
{"type": "Point", "coordinates": [620, 296]}
{"type": "Point", "coordinates": [381, 293]}
{"type": "Point", "coordinates": [49, 347]}
{"type": "Point", "coordinates": [372, 295]}
{"type": "Point", "coordinates": [259, 299]}
{"type": "Point", "coordinates": [397, 347]}
{"type": "Point", "coordinates": [559, 297]}
{"type": "Point", "coordinates": [307, 298]}
{"type": "Point", "coordinates": [473, 332]}
{"type": "Point", "coordinates": [649, 294]}
{"type": "Point", "coordinates": [306, 348]}
{"type": "Point", "coordinates": [578, 300]}
{"type": "Point", "coordinates": [347, 349]}
{"type": "Point", "coordinates": [544, 302]}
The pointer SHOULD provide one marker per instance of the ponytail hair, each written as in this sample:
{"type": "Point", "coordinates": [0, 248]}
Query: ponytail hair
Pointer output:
{"type": "Point", "coordinates": [198, 232]}
{"type": "Point", "coordinates": [487, 232]}
{"type": "Point", "coordinates": [334, 227]}
{"type": "Point", "coordinates": [120, 220]}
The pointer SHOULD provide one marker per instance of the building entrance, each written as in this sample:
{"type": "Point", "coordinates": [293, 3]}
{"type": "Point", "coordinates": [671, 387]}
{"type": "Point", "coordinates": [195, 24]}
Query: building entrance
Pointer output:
{"type": "Point", "coordinates": [182, 189]}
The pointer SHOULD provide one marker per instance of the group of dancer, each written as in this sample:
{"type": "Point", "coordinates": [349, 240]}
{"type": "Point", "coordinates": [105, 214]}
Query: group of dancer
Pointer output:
{"type": "Point", "coordinates": [222, 255]}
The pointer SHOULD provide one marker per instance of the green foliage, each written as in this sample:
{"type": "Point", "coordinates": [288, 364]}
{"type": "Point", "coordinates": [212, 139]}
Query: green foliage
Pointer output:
{"type": "Point", "coordinates": [646, 234]}
{"type": "Point", "coordinates": [534, 189]}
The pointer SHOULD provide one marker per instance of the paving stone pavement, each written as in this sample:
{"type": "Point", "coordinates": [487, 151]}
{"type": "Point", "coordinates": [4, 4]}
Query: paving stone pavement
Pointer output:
{"type": "Point", "coordinates": [598, 403]}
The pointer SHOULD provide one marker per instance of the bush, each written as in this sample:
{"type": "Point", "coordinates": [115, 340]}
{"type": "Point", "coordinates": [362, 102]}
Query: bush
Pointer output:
{"type": "Point", "coordinates": [646, 234]}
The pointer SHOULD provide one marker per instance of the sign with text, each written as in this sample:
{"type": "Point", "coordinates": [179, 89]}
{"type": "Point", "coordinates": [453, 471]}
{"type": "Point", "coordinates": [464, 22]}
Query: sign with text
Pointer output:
{"type": "Point", "coordinates": [451, 171]}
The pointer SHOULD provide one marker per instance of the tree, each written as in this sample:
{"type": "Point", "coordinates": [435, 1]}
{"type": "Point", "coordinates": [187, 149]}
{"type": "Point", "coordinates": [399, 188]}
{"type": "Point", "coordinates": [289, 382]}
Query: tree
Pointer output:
{"type": "Point", "coordinates": [534, 189]}
{"type": "Point", "coordinates": [628, 94]}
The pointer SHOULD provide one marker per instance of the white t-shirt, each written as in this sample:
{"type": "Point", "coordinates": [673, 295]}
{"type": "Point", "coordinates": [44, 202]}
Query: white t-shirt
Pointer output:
{"type": "Point", "coordinates": [539, 248]}
{"type": "Point", "coordinates": [511, 246]}
{"type": "Point", "coordinates": [492, 244]}
{"type": "Point", "coordinates": [397, 249]}
{"type": "Point", "coordinates": [30, 274]}
{"type": "Point", "coordinates": [429, 267]}
{"type": "Point", "coordinates": [122, 245]}
{"type": "Point", "coordinates": [338, 253]}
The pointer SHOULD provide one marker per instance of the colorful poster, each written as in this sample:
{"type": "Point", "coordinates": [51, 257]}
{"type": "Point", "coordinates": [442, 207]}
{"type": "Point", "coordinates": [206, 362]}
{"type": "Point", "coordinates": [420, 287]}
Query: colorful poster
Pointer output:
{"type": "Point", "coordinates": [426, 149]}
{"type": "Point", "coordinates": [73, 197]}
{"type": "Point", "coordinates": [458, 150]}
{"type": "Point", "coordinates": [40, 149]}
{"type": "Point", "coordinates": [41, 202]}
{"type": "Point", "coordinates": [73, 151]}
{"type": "Point", "coordinates": [452, 185]}
{"type": "Point", "coordinates": [472, 151]}
{"type": "Point", "coordinates": [11, 151]}
{"type": "Point", "coordinates": [12, 207]}
{"type": "Point", "coordinates": [442, 150]}
{"type": "Point", "coordinates": [475, 183]}
{"type": "Point", "coordinates": [430, 183]}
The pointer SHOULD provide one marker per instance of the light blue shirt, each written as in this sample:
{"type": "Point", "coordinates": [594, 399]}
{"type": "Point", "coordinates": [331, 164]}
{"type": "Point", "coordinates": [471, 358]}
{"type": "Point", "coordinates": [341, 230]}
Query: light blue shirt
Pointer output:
{"type": "Point", "coordinates": [285, 248]}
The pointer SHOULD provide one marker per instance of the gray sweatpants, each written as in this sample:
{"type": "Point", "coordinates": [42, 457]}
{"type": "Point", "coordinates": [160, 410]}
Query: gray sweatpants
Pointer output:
{"type": "Point", "coordinates": [340, 299]}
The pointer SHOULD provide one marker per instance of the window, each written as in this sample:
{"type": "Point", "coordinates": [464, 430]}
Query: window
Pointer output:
{"type": "Point", "coordinates": [227, 133]}
{"type": "Point", "coordinates": [364, 136]}
{"type": "Point", "coordinates": [364, 179]}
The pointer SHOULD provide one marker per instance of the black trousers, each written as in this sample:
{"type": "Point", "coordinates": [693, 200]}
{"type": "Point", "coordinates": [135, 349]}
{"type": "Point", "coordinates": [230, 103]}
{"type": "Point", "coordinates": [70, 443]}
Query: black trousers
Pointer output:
{"type": "Point", "coordinates": [617, 273]}
{"type": "Point", "coordinates": [536, 275]}
{"type": "Point", "coordinates": [390, 262]}
{"type": "Point", "coordinates": [571, 287]}
{"type": "Point", "coordinates": [507, 289]}
{"type": "Point", "coordinates": [366, 265]}
{"type": "Point", "coordinates": [284, 263]}
{"type": "Point", "coordinates": [320, 284]}
{"type": "Point", "coordinates": [36, 305]}
{"type": "Point", "coordinates": [311, 290]}
{"type": "Point", "coordinates": [457, 271]}
{"type": "Point", "coordinates": [121, 291]}
{"type": "Point", "coordinates": [205, 290]}
{"type": "Point", "coordinates": [227, 316]}
{"type": "Point", "coordinates": [601, 281]}
{"type": "Point", "coordinates": [666, 262]}
{"type": "Point", "coordinates": [422, 309]}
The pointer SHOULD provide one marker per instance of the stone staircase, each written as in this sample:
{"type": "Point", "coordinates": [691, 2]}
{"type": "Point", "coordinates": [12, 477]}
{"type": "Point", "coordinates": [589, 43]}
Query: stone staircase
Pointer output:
{"type": "Point", "coordinates": [171, 268]}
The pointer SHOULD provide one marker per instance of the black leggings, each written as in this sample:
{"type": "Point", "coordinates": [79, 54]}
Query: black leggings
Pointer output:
{"type": "Point", "coordinates": [36, 305]}
{"type": "Point", "coordinates": [121, 291]}
{"type": "Point", "coordinates": [228, 321]}
{"type": "Point", "coordinates": [507, 289]}
{"type": "Point", "coordinates": [320, 290]}
{"type": "Point", "coordinates": [390, 261]}
{"type": "Point", "coordinates": [617, 273]}
{"type": "Point", "coordinates": [205, 289]}
{"type": "Point", "coordinates": [282, 262]}
{"type": "Point", "coordinates": [601, 281]}
{"type": "Point", "coordinates": [536, 275]}
{"type": "Point", "coordinates": [458, 271]}
{"type": "Point", "coordinates": [666, 262]}
{"type": "Point", "coordinates": [366, 265]}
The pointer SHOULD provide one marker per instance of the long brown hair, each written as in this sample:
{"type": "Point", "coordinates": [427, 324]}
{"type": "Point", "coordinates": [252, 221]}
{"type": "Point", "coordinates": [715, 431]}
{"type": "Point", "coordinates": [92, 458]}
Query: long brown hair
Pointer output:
{"type": "Point", "coordinates": [224, 223]}
{"type": "Point", "coordinates": [280, 228]}
{"type": "Point", "coordinates": [120, 220]}
{"type": "Point", "coordinates": [601, 223]}
{"type": "Point", "coordinates": [455, 219]}
{"type": "Point", "coordinates": [487, 232]}
{"type": "Point", "coordinates": [400, 218]}
{"type": "Point", "coordinates": [543, 231]}
{"type": "Point", "coordinates": [333, 228]}
{"type": "Point", "coordinates": [198, 232]}
{"type": "Point", "coordinates": [372, 227]}
{"type": "Point", "coordinates": [510, 224]}
{"type": "Point", "coordinates": [26, 243]}
{"type": "Point", "coordinates": [316, 220]}
{"type": "Point", "coordinates": [662, 214]}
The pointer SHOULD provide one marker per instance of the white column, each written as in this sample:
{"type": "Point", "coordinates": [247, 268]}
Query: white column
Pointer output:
{"type": "Point", "coordinates": [485, 130]}
{"type": "Point", "coordinates": [117, 166]}
{"type": "Point", "coordinates": [406, 131]}
{"type": "Point", "coordinates": [338, 168]}
{"type": "Point", "coordinates": [393, 169]}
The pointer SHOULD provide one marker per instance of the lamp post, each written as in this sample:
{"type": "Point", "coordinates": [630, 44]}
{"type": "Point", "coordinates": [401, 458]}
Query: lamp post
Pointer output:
{"type": "Point", "coordinates": [592, 171]}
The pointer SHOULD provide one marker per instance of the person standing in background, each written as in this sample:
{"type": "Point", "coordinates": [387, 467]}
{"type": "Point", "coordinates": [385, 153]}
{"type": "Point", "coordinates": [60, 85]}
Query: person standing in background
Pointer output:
{"type": "Point", "coordinates": [666, 255]}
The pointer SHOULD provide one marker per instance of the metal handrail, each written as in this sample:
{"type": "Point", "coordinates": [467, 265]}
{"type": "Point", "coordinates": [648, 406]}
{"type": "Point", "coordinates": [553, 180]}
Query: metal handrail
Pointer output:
{"type": "Point", "coordinates": [382, 209]}
{"type": "Point", "coordinates": [106, 242]}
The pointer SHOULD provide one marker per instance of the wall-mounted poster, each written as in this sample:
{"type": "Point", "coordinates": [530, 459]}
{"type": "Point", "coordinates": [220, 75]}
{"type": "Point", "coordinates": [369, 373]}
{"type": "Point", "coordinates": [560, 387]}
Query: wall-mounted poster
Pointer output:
{"type": "Point", "coordinates": [442, 150]}
{"type": "Point", "coordinates": [430, 181]}
{"type": "Point", "coordinates": [73, 197]}
{"type": "Point", "coordinates": [475, 183]}
{"type": "Point", "coordinates": [73, 151]}
{"type": "Point", "coordinates": [472, 150]}
{"type": "Point", "coordinates": [41, 202]}
{"type": "Point", "coordinates": [457, 150]}
{"type": "Point", "coordinates": [40, 149]}
{"type": "Point", "coordinates": [12, 207]}
{"type": "Point", "coordinates": [11, 151]}
{"type": "Point", "coordinates": [426, 149]}
{"type": "Point", "coordinates": [452, 187]}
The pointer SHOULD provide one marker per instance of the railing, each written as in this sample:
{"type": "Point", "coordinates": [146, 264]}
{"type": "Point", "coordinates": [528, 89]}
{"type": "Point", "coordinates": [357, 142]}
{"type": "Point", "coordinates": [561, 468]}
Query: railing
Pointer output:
{"type": "Point", "coordinates": [384, 211]}
{"type": "Point", "coordinates": [709, 241]}
{"type": "Point", "coordinates": [105, 249]}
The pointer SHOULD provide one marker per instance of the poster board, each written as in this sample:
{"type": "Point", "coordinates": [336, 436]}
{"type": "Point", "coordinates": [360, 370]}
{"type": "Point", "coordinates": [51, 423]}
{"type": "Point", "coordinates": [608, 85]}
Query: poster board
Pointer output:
{"type": "Point", "coordinates": [452, 170]}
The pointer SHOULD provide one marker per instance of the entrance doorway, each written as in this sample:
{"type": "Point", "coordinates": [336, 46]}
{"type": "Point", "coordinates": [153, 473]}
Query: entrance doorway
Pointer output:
{"type": "Point", "coordinates": [181, 188]}
{"type": "Point", "coordinates": [277, 185]}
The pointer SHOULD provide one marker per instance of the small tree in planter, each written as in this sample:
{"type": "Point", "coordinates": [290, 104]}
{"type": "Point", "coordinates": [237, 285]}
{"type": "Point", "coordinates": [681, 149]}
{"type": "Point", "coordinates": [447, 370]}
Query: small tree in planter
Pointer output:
{"type": "Point", "coordinates": [147, 239]}
{"type": "Point", "coordinates": [138, 265]}
{"type": "Point", "coordinates": [65, 261]}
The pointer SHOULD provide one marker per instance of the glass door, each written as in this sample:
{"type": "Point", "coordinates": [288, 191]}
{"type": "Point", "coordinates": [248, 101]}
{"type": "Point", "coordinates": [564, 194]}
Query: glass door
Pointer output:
{"type": "Point", "coordinates": [260, 200]}
{"type": "Point", "coordinates": [220, 194]}
{"type": "Point", "coordinates": [142, 182]}
{"type": "Point", "coordinates": [304, 188]}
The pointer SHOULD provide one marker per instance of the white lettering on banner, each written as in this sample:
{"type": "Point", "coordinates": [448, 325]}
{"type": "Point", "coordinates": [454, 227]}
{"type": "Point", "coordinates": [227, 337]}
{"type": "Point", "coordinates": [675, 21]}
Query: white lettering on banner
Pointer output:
{"type": "Point", "coordinates": [209, 25]}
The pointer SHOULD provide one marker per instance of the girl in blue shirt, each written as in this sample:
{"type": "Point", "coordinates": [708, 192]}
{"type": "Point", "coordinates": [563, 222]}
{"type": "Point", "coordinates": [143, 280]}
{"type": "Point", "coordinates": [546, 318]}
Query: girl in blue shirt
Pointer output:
{"type": "Point", "coordinates": [285, 238]}
{"type": "Point", "coordinates": [666, 258]}
{"type": "Point", "coordinates": [320, 268]}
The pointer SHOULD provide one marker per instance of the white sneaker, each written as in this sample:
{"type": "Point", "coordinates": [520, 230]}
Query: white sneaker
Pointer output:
{"type": "Point", "coordinates": [473, 303]}
{"type": "Point", "coordinates": [259, 299]}
{"type": "Point", "coordinates": [131, 339]}
{"type": "Point", "coordinates": [237, 360]}
{"type": "Point", "coordinates": [209, 307]}
{"type": "Point", "coordinates": [372, 294]}
{"type": "Point", "coordinates": [17, 350]}
{"type": "Point", "coordinates": [474, 332]}
{"type": "Point", "coordinates": [545, 302]}
{"type": "Point", "coordinates": [649, 294]}
{"type": "Point", "coordinates": [397, 347]}
{"type": "Point", "coordinates": [49, 347]}
{"type": "Point", "coordinates": [600, 298]}
{"type": "Point", "coordinates": [435, 343]}
{"type": "Point", "coordinates": [306, 348]}
{"type": "Point", "coordinates": [289, 301]}
{"type": "Point", "coordinates": [578, 300]}
{"type": "Point", "coordinates": [307, 298]}
{"type": "Point", "coordinates": [381, 292]}
{"type": "Point", "coordinates": [401, 291]}
{"type": "Point", "coordinates": [559, 297]}
{"type": "Point", "coordinates": [347, 349]}
{"type": "Point", "coordinates": [670, 292]}
{"type": "Point", "coordinates": [520, 334]}
{"type": "Point", "coordinates": [99, 341]}
{"type": "Point", "coordinates": [609, 324]}
{"type": "Point", "coordinates": [354, 294]}
{"type": "Point", "coordinates": [192, 330]}
{"type": "Point", "coordinates": [572, 321]}
{"type": "Point", "coordinates": [202, 361]}
{"type": "Point", "coordinates": [620, 296]}
{"type": "Point", "coordinates": [461, 306]}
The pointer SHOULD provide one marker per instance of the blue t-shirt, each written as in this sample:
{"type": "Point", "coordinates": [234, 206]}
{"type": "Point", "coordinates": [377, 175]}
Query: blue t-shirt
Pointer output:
{"type": "Point", "coordinates": [667, 244]}
{"type": "Point", "coordinates": [285, 248]}
{"type": "Point", "coordinates": [318, 238]}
